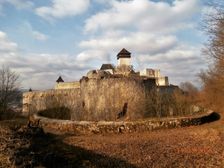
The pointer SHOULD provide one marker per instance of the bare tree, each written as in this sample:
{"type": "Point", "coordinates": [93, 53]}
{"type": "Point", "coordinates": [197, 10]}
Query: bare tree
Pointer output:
{"type": "Point", "coordinates": [191, 91]}
{"type": "Point", "coordinates": [213, 79]}
{"type": "Point", "coordinates": [9, 88]}
{"type": "Point", "coordinates": [213, 26]}
{"type": "Point", "coordinates": [188, 87]}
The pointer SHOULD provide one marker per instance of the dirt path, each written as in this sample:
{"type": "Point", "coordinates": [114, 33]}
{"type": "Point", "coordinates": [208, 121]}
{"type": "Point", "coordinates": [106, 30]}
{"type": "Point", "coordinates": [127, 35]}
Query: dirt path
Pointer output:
{"type": "Point", "coordinates": [198, 146]}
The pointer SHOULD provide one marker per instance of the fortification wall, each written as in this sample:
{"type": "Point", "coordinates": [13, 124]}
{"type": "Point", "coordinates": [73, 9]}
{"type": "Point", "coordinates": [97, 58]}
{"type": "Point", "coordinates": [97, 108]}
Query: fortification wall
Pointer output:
{"type": "Point", "coordinates": [102, 127]}
{"type": "Point", "coordinates": [41, 100]}
{"type": "Point", "coordinates": [67, 85]}
{"type": "Point", "coordinates": [106, 98]}
{"type": "Point", "coordinates": [97, 99]}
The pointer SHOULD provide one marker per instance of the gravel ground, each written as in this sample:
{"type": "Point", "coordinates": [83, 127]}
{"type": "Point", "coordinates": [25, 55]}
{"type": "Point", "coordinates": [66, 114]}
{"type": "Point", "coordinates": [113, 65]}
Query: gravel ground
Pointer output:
{"type": "Point", "coordinates": [197, 146]}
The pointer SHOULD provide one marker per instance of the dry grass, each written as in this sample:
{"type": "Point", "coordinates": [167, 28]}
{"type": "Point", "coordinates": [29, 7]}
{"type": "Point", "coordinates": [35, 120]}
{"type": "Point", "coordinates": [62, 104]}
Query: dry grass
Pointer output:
{"type": "Point", "coordinates": [197, 146]}
{"type": "Point", "coordinates": [200, 146]}
{"type": "Point", "coordinates": [7, 139]}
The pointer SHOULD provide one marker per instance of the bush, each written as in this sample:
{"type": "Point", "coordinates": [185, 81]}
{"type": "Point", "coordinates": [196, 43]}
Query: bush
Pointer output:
{"type": "Point", "coordinates": [62, 113]}
{"type": "Point", "coordinates": [53, 108]}
{"type": "Point", "coordinates": [167, 104]}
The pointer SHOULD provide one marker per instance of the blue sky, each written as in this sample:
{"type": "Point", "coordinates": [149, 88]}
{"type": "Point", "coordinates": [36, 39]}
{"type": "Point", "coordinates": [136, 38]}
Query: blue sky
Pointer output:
{"type": "Point", "coordinates": [44, 39]}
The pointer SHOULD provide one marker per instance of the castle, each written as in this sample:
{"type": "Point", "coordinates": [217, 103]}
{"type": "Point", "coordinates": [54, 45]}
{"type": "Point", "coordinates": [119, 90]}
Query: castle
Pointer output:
{"type": "Point", "coordinates": [108, 93]}
{"type": "Point", "coordinates": [123, 68]}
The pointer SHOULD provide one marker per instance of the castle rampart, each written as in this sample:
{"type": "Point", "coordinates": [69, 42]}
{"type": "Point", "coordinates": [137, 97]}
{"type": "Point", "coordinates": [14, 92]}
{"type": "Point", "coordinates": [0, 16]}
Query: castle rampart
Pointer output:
{"type": "Point", "coordinates": [96, 99]}
{"type": "Point", "coordinates": [67, 85]}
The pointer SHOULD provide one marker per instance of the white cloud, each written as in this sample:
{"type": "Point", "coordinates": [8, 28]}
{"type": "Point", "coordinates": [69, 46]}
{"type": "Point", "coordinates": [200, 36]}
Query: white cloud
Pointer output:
{"type": "Point", "coordinates": [38, 70]}
{"type": "Point", "coordinates": [39, 36]}
{"type": "Point", "coordinates": [27, 28]}
{"type": "Point", "coordinates": [180, 52]}
{"type": "Point", "coordinates": [5, 44]}
{"type": "Point", "coordinates": [138, 42]}
{"type": "Point", "coordinates": [143, 15]}
{"type": "Point", "coordinates": [19, 4]}
{"type": "Point", "coordinates": [63, 8]}
{"type": "Point", "coordinates": [90, 55]}
{"type": "Point", "coordinates": [181, 63]}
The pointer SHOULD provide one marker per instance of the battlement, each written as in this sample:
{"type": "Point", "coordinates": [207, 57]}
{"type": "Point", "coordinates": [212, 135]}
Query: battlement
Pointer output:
{"type": "Point", "coordinates": [67, 85]}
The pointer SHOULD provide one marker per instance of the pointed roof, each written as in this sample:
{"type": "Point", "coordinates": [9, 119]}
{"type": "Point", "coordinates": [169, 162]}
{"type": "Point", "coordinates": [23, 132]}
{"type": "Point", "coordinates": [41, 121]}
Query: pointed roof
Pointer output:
{"type": "Point", "coordinates": [59, 79]}
{"type": "Point", "coordinates": [106, 66]}
{"type": "Point", "coordinates": [124, 54]}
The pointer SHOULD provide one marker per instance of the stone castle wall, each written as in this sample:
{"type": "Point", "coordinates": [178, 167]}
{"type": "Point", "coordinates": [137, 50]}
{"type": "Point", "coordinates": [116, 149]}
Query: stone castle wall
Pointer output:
{"type": "Point", "coordinates": [41, 100]}
{"type": "Point", "coordinates": [102, 127]}
{"type": "Point", "coordinates": [67, 85]}
{"type": "Point", "coordinates": [97, 99]}
{"type": "Point", "coordinates": [104, 99]}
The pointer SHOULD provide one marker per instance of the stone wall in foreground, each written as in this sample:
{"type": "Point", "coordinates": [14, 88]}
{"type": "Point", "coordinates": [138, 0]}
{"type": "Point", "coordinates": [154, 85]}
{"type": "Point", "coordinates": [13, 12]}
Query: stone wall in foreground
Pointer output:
{"type": "Point", "coordinates": [102, 127]}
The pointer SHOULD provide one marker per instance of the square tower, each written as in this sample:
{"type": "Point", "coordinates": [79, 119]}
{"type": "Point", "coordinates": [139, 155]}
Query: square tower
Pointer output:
{"type": "Point", "coordinates": [124, 58]}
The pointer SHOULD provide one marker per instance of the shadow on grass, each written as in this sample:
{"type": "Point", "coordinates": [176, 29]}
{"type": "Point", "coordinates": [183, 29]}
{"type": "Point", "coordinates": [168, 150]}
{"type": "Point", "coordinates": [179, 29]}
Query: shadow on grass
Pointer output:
{"type": "Point", "coordinates": [49, 150]}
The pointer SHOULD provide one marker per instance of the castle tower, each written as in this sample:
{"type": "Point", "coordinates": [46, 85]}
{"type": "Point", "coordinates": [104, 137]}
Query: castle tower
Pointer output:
{"type": "Point", "coordinates": [59, 79]}
{"type": "Point", "coordinates": [124, 58]}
